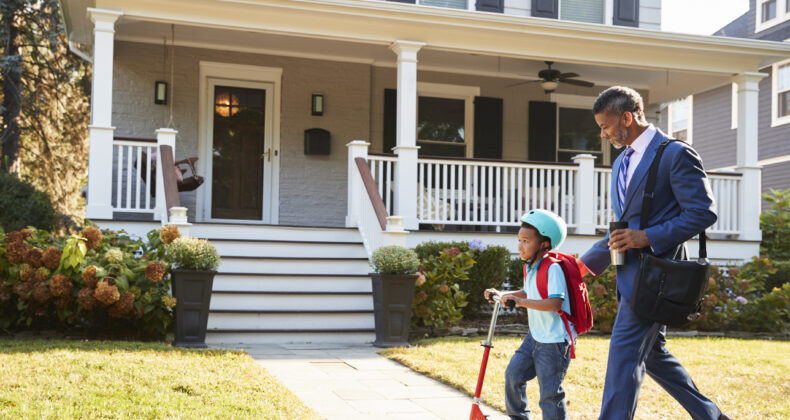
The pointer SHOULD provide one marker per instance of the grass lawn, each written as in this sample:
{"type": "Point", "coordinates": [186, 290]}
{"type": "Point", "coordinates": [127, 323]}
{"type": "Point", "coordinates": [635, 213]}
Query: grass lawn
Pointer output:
{"type": "Point", "coordinates": [745, 378]}
{"type": "Point", "coordinates": [116, 379]}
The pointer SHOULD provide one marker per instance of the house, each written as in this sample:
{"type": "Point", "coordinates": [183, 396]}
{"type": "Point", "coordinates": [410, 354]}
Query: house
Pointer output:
{"type": "Point", "coordinates": [708, 117]}
{"type": "Point", "coordinates": [326, 128]}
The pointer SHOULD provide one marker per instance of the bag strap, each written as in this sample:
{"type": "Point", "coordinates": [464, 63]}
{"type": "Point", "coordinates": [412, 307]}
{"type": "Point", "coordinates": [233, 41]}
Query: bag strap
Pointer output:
{"type": "Point", "coordinates": [542, 281]}
{"type": "Point", "coordinates": [647, 198]}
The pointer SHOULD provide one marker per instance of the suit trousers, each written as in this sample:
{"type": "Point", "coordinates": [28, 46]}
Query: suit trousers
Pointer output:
{"type": "Point", "coordinates": [638, 347]}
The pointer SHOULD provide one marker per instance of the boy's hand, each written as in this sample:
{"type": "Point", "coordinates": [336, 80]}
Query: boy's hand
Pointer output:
{"type": "Point", "coordinates": [488, 292]}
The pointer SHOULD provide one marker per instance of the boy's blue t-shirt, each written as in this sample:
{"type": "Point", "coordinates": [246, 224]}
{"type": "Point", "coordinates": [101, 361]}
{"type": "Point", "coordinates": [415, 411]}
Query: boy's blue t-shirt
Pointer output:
{"type": "Point", "coordinates": [546, 326]}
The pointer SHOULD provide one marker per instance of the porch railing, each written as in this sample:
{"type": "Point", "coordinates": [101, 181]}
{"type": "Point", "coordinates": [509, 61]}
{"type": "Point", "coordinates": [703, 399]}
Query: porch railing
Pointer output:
{"type": "Point", "coordinates": [496, 193]}
{"type": "Point", "coordinates": [132, 175]}
{"type": "Point", "coordinates": [136, 187]}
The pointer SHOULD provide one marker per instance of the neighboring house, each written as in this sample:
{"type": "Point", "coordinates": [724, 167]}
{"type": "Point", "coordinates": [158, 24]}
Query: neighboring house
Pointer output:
{"type": "Point", "coordinates": [455, 110]}
{"type": "Point", "coordinates": [709, 117]}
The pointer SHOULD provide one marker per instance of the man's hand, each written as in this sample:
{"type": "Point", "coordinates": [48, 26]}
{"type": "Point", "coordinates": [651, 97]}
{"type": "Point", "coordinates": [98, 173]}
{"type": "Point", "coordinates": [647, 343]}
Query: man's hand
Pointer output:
{"type": "Point", "coordinates": [623, 239]}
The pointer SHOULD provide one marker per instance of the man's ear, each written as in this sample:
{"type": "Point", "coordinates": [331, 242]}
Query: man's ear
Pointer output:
{"type": "Point", "coordinates": [627, 119]}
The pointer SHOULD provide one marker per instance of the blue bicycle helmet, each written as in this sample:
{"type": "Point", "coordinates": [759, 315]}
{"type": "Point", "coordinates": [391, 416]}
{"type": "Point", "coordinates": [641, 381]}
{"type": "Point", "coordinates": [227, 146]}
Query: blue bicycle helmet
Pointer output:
{"type": "Point", "coordinates": [548, 224]}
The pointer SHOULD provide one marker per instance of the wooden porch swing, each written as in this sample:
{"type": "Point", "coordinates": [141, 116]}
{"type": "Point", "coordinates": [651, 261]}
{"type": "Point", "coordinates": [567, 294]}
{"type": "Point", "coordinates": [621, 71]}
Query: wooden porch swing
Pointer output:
{"type": "Point", "coordinates": [183, 183]}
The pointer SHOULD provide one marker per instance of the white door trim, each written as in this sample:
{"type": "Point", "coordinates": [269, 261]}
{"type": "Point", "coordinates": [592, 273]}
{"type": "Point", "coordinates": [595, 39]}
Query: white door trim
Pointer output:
{"type": "Point", "coordinates": [238, 73]}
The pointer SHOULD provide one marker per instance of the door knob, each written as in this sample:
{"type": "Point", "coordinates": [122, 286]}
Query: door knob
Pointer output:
{"type": "Point", "coordinates": [268, 155]}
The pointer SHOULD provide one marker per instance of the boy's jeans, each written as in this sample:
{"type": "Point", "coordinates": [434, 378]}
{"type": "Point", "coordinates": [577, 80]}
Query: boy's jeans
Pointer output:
{"type": "Point", "coordinates": [549, 362]}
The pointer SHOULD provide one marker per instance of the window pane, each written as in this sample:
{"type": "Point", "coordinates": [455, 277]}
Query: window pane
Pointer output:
{"type": "Point", "coordinates": [784, 104]}
{"type": "Point", "coordinates": [769, 10]}
{"type": "Point", "coordinates": [434, 149]}
{"type": "Point", "coordinates": [582, 10]}
{"type": "Point", "coordinates": [578, 131]}
{"type": "Point", "coordinates": [680, 111]}
{"type": "Point", "coordinates": [568, 156]}
{"type": "Point", "coordinates": [455, 4]}
{"type": "Point", "coordinates": [440, 119]}
{"type": "Point", "coordinates": [680, 134]}
{"type": "Point", "coordinates": [783, 78]}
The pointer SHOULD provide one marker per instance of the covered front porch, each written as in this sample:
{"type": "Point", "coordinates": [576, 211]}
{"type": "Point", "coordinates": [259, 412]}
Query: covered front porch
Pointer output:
{"type": "Point", "coordinates": [385, 71]}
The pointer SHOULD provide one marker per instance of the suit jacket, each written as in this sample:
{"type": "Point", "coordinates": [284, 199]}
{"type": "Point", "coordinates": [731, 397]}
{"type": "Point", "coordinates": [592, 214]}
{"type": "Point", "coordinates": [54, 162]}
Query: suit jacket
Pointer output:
{"type": "Point", "coordinates": [682, 206]}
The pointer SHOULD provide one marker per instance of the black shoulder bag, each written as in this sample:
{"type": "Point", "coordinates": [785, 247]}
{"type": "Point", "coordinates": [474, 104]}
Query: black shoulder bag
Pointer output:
{"type": "Point", "coordinates": [668, 291]}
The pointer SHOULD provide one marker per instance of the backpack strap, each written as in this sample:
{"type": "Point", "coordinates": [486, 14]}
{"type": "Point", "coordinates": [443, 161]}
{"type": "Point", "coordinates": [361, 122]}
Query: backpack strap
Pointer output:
{"type": "Point", "coordinates": [542, 281]}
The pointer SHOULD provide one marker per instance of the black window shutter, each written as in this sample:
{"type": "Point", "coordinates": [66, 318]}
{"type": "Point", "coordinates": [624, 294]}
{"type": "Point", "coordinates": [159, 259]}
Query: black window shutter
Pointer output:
{"type": "Point", "coordinates": [546, 8]}
{"type": "Point", "coordinates": [497, 6]}
{"type": "Point", "coordinates": [390, 117]}
{"type": "Point", "coordinates": [542, 141]}
{"type": "Point", "coordinates": [488, 128]}
{"type": "Point", "coordinates": [626, 13]}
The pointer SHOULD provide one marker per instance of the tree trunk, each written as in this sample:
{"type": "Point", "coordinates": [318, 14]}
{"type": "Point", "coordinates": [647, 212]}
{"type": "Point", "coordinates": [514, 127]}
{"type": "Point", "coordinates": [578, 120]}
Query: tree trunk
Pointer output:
{"type": "Point", "coordinates": [12, 82]}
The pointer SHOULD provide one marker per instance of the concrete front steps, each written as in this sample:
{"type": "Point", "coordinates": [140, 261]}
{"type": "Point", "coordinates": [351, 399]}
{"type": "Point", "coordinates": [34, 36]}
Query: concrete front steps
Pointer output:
{"type": "Point", "coordinates": [280, 284]}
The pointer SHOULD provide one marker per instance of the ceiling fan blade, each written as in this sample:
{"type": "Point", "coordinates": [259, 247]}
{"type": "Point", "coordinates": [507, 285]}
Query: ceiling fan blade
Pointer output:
{"type": "Point", "coordinates": [582, 83]}
{"type": "Point", "coordinates": [567, 75]}
{"type": "Point", "coordinates": [524, 83]}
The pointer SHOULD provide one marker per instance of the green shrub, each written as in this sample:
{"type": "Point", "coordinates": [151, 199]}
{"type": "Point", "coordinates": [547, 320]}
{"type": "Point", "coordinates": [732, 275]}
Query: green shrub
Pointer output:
{"type": "Point", "coordinates": [775, 224]}
{"type": "Point", "coordinates": [21, 205]}
{"type": "Point", "coordinates": [490, 269]}
{"type": "Point", "coordinates": [515, 273]}
{"type": "Point", "coordinates": [192, 254]}
{"type": "Point", "coordinates": [99, 282]}
{"type": "Point", "coordinates": [766, 313]}
{"type": "Point", "coordinates": [438, 298]}
{"type": "Point", "coordinates": [602, 290]}
{"type": "Point", "coordinates": [780, 277]}
{"type": "Point", "coordinates": [394, 259]}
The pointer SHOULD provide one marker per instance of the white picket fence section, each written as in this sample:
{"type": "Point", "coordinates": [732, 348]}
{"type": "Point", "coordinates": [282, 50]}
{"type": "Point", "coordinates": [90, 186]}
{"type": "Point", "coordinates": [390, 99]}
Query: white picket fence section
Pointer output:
{"type": "Point", "coordinates": [726, 194]}
{"type": "Point", "coordinates": [132, 185]}
{"type": "Point", "coordinates": [602, 191]}
{"type": "Point", "coordinates": [473, 192]}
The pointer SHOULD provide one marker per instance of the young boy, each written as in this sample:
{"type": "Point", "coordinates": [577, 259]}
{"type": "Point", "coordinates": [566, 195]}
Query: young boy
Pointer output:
{"type": "Point", "coordinates": [545, 350]}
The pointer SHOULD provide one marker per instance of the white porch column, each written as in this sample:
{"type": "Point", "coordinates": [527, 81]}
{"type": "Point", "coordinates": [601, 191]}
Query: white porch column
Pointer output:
{"type": "Point", "coordinates": [406, 133]}
{"type": "Point", "coordinates": [101, 132]}
{"type": "Point", "coordinates": [356, 190]}
{"type": "Point", "coordinates": [750, 194]}
{"type": "Point", "coordinates": [395, 234]}
{"type": "Point", "coordinates": [163, 136]}
{"type": "Point", "coordinates": [585, 201]}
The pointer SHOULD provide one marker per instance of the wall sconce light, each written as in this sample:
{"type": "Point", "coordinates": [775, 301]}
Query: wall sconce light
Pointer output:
{"type": "Point", "coordinates": [160, 92]}
{"type": "Point", "coordinates": [318, 104]}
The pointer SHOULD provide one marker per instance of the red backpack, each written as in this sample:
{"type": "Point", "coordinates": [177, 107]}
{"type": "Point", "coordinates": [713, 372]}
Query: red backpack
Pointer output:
{"type": "Point", "coordinates": [581, 313]}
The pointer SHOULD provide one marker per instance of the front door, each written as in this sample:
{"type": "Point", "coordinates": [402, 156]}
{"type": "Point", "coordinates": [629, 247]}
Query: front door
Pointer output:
{"type": "Point", "coordinates": [240, 137]}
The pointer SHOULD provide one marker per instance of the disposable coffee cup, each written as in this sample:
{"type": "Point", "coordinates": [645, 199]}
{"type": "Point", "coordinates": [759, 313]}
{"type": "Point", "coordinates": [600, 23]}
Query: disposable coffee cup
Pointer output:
{"type": "Point", "coordinates": [618, 258]}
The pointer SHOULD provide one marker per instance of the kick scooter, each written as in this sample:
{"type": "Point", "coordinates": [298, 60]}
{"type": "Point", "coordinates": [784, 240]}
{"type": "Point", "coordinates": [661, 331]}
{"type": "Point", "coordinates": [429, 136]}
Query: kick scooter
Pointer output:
{"type": "Point", "coordinates": [476, 414]}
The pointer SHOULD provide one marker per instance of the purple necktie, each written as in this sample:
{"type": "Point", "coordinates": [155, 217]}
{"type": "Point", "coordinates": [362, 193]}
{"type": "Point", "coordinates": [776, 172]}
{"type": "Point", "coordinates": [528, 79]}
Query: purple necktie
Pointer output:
{"type": "Point", "coordinates": [621, 177]}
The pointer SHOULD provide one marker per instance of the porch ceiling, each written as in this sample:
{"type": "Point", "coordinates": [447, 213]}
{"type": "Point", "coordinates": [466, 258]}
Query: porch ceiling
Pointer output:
{"type": "Point", "coordinates": [667, 65]}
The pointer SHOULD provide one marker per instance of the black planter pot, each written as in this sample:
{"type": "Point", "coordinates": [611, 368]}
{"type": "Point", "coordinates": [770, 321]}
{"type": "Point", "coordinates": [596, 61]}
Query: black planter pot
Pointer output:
{"type": "Point", "coordinates": [392, 299]}
{"type": "Point", "coordinates": [192, 290]}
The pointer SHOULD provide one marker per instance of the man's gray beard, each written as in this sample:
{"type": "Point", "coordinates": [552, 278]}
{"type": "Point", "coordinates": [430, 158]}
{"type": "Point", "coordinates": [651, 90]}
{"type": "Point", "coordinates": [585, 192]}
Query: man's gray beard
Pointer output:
{"type": "Point", "coordinates": [617, 139]}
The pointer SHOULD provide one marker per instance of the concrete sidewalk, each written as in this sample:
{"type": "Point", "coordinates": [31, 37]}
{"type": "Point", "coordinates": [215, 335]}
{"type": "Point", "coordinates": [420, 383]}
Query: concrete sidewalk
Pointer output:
{"type": "Point", "coordinates": [353, 382]}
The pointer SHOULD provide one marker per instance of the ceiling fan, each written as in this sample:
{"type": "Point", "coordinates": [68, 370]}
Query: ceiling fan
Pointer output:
{"type": "Point", "coordinates": [550, 78]}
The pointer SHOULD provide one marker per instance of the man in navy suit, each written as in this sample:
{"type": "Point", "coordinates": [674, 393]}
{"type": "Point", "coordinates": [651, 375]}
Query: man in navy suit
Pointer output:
{"type": "Point", "coordinates": [682, 207]}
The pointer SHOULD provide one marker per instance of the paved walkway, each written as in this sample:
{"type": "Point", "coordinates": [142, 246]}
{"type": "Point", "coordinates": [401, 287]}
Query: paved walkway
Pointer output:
{"type": "Point", "coordinates": [353, 382]}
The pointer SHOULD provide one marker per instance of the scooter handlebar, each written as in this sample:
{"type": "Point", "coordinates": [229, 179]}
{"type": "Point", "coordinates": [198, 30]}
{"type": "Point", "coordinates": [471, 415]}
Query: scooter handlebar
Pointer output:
{"type": "Point", "coordinates": [510, 304]}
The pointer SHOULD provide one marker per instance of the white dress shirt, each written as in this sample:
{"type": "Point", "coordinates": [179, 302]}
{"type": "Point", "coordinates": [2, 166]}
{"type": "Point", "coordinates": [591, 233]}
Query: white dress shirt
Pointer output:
{"type": "Point", "coordinates": [639, 145]}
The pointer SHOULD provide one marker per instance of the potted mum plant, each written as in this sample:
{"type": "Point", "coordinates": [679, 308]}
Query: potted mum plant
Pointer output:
{"type": "Point", "coordinates": [393, 292]}
{"type": "Point", "coordinates": [195, 262]}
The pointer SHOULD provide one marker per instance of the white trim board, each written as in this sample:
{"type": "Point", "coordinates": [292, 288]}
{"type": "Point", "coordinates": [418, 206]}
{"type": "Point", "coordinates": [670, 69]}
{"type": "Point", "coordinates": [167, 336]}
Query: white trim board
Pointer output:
{"type": "Point", "coordinates": [239, 73]}
{"type": "Point", "coordinates": [765, 162]}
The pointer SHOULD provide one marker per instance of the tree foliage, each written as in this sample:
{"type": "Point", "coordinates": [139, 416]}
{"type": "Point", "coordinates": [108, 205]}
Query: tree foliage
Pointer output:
{"type": "Point", "coordinates": [45, 103]}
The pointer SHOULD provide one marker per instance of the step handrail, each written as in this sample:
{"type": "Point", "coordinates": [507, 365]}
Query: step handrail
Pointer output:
{"type": "Point", "coordinates": [373, 194]}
